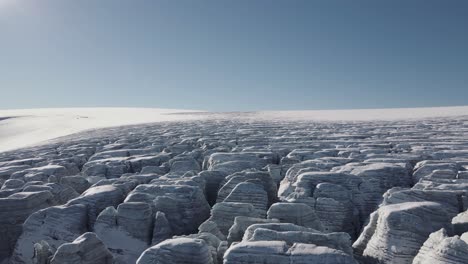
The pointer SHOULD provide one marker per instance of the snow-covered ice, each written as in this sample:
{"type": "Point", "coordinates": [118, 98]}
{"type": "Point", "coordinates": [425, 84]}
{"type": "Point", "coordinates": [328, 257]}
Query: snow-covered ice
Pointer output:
{"type": "Point", "coordinates": [176, 186]}
{"type": "Point", "coordinates": [25, 127]}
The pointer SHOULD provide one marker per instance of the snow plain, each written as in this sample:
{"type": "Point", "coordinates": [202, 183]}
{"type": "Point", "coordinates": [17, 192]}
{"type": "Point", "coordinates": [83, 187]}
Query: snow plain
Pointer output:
{"type": "Point", "coordinates": [28, 127]}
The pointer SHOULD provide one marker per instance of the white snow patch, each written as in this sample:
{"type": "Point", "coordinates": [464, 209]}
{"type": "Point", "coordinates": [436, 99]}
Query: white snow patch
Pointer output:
{"type": "Point", "coordinates": [27, 127]}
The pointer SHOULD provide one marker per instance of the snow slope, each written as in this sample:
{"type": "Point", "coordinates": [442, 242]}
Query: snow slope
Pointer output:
{"type": "Point", "coordinates": [21, 128]}
{"type": "Point", "coordinates": [26, 127]}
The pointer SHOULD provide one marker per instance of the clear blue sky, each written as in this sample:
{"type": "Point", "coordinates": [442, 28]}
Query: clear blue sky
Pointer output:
{"type": "Point", "coordinates": [233, 55]}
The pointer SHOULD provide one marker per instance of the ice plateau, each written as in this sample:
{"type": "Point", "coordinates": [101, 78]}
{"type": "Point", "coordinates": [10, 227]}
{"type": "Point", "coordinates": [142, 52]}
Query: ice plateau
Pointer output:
{"type": "Point", "coordinates": [118, 186]}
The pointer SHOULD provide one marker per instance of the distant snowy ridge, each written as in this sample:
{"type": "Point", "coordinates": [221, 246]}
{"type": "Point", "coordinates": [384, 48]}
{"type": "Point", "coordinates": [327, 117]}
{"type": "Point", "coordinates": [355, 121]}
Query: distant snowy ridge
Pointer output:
{"type": "Point", "coordinates": [385, 114]}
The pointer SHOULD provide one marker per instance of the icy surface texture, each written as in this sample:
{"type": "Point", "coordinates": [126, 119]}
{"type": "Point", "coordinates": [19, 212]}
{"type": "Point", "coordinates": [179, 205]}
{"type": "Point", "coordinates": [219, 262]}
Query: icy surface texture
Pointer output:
{"type": "Point", "coordinates": [233, 188]}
